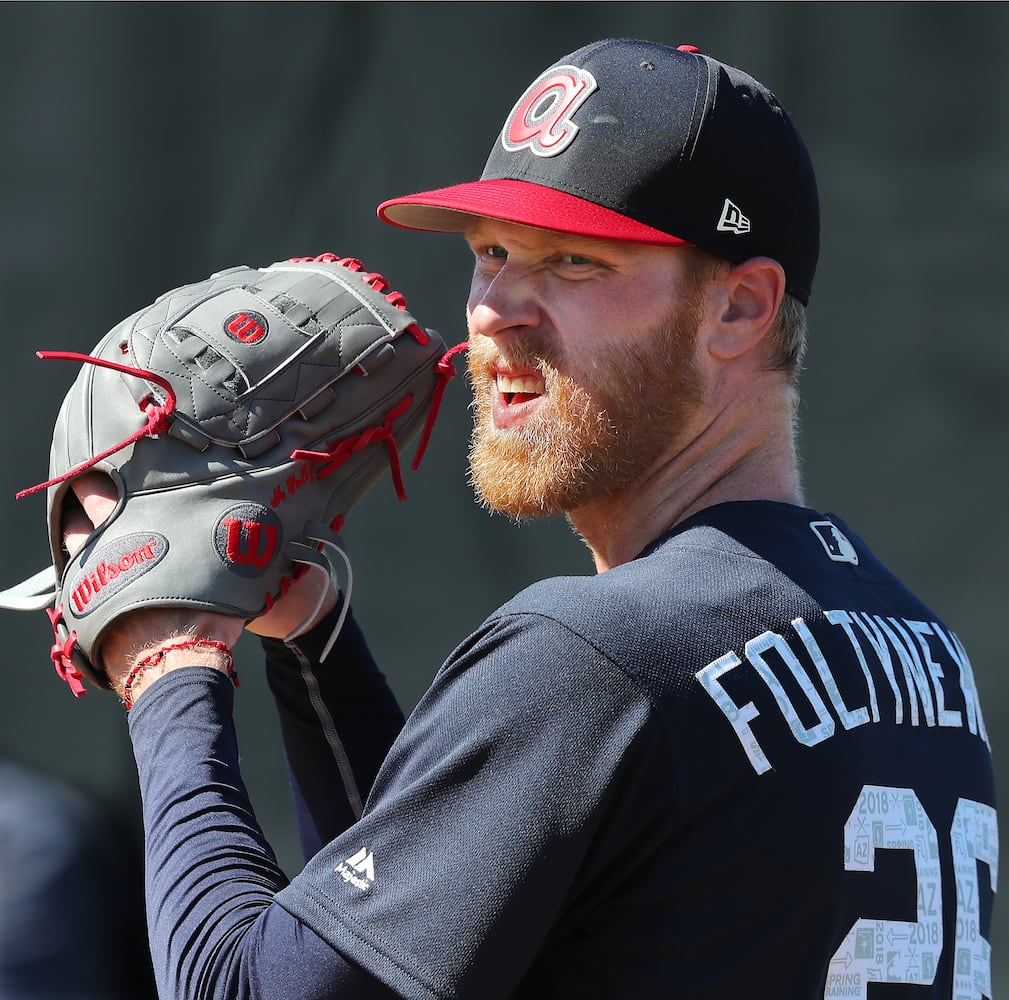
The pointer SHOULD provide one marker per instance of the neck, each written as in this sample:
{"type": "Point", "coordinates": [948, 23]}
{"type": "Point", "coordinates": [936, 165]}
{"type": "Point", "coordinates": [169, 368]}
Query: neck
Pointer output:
{"type": "Point", "coordinates": [742, 451]}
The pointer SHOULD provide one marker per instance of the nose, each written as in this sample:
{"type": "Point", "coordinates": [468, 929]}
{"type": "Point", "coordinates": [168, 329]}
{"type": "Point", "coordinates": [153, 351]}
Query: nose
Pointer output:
{"type": "Point", "coordinates": [501, 303]}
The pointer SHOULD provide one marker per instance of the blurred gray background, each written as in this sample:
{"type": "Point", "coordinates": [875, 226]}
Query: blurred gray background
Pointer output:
{"type": "Point", "coordinates": [146, 145]}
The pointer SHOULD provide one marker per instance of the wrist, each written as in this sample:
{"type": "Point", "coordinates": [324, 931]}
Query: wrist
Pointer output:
{"type": "Point", "coordinates": [162, 658]}
{"type": "Point", "coordinates": [145, 645]}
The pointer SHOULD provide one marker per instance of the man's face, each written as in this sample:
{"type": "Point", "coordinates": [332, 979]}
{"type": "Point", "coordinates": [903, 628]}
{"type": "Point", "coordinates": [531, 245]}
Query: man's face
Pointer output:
{"type": "Point", "coordinates": [581, 361]}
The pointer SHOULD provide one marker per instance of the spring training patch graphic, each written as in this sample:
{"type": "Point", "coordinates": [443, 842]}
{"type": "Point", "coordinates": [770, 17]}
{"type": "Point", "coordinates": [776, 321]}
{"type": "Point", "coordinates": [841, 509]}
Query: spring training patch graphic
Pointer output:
{"type": "Point", "coordinates": [541, 120]}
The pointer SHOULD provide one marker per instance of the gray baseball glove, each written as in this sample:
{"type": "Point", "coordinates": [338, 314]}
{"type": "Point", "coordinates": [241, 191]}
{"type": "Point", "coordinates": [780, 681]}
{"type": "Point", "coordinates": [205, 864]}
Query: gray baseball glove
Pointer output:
{"type": "Point", "coordinates": [241, 418]}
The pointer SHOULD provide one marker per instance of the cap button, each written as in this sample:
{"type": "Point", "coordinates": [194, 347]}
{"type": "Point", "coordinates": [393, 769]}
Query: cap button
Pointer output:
{"type": "Point", "coordinates": [687, 48]}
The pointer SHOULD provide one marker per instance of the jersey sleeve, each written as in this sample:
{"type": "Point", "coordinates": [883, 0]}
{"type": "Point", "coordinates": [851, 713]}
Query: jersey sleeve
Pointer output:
{"type": "Point", "coordinates": [338, 719]}
{"type": "Point", "coordinates": [210, 876]}
{"type": "Point", "coordinates": [483, 824]}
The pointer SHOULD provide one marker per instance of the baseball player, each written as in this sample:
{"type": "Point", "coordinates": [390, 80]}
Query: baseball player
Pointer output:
{"type": "Point", "coordinates": [740, 760]}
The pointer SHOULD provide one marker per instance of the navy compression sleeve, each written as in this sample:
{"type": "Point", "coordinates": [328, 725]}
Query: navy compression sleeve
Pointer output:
{"type": "Point", "coordinates": [214, 929]}
{"type": "Point", "coordinates": [338, 720]}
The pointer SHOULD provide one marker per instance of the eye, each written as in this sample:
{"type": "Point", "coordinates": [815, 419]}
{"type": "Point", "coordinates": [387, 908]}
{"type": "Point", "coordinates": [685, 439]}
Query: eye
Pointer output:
{"type": "Point", "coordinates": [577, 260]}
{"type": "Point", "coordinates": [489, 255]}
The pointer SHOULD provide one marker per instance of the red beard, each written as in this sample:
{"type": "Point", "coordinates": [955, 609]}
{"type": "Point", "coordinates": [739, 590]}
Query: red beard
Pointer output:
{"type": "Point", "coordinates": [593, 433]}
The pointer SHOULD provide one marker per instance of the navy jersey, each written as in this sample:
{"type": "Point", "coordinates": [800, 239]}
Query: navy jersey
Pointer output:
{"type": "Point", "coordinates": [748, 763]}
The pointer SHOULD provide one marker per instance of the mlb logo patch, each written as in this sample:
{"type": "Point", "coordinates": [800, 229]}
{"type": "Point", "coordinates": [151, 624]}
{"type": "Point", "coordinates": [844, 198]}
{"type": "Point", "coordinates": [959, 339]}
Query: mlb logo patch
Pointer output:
{"type": "Point", "coordinates": [835, 544]}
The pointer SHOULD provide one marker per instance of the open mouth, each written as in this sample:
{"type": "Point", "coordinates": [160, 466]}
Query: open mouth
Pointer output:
{"type": "Point", "coordinates": [520, 388]}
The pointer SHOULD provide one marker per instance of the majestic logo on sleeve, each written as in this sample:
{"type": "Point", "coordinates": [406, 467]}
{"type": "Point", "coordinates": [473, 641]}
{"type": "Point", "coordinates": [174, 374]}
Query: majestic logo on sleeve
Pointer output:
{"type": "Point", "coordinates": [541, 121]}
{"type": "Point", "coordinates": [115, 566]}
{"type": "Point", "coordinates": [246, 537]}
{"type": "Point", "coordinates": [358, 869]}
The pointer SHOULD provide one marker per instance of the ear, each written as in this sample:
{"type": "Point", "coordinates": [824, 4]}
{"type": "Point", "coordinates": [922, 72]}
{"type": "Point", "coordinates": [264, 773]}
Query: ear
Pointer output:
{"type": "Point", "coordinates": [748, 304]}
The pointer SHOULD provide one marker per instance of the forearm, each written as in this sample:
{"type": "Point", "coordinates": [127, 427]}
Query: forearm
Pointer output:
{"type": "Point", "coordinates": [209, 870]}
{"type": "Point", "coordinates": [214, 929]}
{"type": "Point", "coordinates": [338, 720]}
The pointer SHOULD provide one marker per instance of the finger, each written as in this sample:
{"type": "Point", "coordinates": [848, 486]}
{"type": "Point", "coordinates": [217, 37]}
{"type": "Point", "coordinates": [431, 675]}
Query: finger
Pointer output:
{"type": "Point", "coordinates": [76, 528]}
{"type": "Point", "coordinates": [97, 494]}
{"type": "Point", "coordinates": [305, 602]}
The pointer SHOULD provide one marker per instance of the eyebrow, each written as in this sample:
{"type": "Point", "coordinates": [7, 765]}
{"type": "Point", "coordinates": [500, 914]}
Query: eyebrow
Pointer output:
{"type": "Point", "coordinates": [479, 233]}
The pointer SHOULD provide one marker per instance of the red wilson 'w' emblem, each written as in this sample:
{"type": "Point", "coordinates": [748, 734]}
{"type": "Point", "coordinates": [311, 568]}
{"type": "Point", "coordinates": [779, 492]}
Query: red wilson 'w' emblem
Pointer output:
{"type": "Point", "coordinates": [246, 327]}
{"type": "Point", "coordinates": [249, 541]}
{"type": "Point", "coordinates": [246, 537]}
{"type": "Point", "coordinates": [541, 121]}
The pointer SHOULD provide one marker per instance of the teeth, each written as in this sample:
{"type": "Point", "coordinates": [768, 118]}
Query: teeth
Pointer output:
{"type": "Point", "coordinates": [524, 383]}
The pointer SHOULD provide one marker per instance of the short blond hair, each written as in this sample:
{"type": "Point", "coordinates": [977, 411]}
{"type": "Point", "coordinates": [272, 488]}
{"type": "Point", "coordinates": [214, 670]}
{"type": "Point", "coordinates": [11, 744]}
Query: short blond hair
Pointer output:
{"type": "Point", "coordinates": [787, 335]}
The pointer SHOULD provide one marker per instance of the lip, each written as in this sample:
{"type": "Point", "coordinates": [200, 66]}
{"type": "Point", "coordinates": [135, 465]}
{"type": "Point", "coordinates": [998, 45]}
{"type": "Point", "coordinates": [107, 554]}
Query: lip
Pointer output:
{"type": "Point", "coordinates": [517, 394]}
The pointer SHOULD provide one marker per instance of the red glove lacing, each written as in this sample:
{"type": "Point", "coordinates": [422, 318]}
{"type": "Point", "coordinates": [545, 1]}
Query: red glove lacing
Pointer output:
{"type": "Point", "coordinates": [337, 453]}
{"type": "Point", "coordinates": [157, 413]}
{"type": "Point", "coordinates": [446, 372]}
{"type": "Point", "coordinates": [340, 451]}
{"type": "Point", "coordinates": [372, 278]}
{"type": "Point", "coordinates": [62, 654]}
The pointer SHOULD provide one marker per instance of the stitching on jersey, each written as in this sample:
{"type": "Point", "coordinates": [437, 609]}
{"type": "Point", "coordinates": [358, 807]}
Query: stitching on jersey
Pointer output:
{"type": "Point", "coordinates": [329, 731]}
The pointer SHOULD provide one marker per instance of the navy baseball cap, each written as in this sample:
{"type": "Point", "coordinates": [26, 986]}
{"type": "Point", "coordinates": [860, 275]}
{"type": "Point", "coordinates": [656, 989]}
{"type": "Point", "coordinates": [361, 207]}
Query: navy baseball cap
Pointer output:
{"type": "Point", "coordinates": [634, 141]}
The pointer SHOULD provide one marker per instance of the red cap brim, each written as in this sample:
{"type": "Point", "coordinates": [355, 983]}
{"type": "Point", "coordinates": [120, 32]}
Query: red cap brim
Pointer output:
{"type": "Point", "coordinates": [453, 209]}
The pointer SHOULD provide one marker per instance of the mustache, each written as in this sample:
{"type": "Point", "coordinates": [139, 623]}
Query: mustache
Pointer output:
{"type": "Point", "coordinates": [517, 351]}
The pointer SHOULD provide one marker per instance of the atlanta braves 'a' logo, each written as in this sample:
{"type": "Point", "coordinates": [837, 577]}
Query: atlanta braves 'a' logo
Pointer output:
{"type": "Point", "coordinates": [541, 121]}
{"type": "Point", "coordinates": [246, 537]}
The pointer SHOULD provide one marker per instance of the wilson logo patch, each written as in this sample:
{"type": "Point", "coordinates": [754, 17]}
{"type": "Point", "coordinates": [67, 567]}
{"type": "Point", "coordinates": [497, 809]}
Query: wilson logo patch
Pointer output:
{"type": "Point", "coordinates": [115, 566]}
{"type": "Point", "coordinates": [247, 327]}
{"type": "Point", "coordinates": [541, 121]}
{"type": "Point", "coordinates": [246, 537]}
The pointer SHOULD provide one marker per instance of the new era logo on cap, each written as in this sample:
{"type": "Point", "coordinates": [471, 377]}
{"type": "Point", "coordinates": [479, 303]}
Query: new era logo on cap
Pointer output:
{"type": "Point", "coordinates": [733, 220]}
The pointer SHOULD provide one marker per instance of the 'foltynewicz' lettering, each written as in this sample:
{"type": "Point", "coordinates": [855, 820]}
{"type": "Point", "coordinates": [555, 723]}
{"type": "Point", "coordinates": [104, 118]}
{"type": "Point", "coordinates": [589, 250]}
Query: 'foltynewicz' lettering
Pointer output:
{"type": "Point", "coordinates": [112, 568]}
{"type": "Point", "coordinates": [919, 664]}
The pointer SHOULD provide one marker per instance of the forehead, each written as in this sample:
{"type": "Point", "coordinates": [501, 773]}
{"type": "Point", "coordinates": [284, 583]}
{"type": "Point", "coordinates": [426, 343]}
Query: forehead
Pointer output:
{"type": "Point", "coordinates": [483, 230]}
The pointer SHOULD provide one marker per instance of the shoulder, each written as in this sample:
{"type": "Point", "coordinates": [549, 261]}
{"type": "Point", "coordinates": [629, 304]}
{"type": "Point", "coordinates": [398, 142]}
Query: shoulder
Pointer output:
{"type": "Point", "coordinates": [641, 619]}
{"type": "Point", "coordinates": [718, 578]}
{"type": "Point", "coordinates": [678, 576]}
